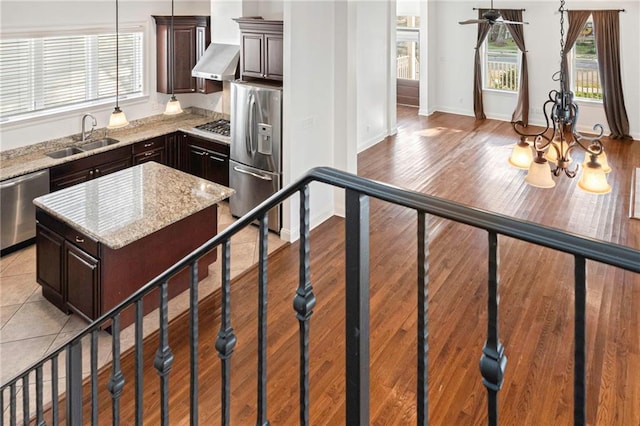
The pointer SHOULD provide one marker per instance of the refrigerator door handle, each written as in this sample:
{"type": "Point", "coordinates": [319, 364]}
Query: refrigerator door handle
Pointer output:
{"type": "Point", "coordinates": [251, 125]}
{"type": "Point", "coordinates": [247, 172]}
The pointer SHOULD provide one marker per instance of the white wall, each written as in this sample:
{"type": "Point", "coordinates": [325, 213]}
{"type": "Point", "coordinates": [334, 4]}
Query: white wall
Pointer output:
{"type": "Point", "coordinates": [25, 16]}
{"type": "Point", "coordinates": [454, 57]}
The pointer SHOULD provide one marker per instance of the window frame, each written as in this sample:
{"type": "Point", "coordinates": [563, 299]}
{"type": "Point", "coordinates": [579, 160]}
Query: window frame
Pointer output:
{"type": "Point", "coordinates": [572, 57]}
{"type": "Point", "coordinates": [484, 50]}
{"type": "Point", "coordinates": [54, 113]}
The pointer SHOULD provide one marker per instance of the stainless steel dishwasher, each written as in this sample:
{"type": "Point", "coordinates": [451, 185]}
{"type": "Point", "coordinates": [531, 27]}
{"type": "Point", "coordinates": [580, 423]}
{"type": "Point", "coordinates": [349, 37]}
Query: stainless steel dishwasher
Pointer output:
{"type": "Point", "coordinates": [17, 212]}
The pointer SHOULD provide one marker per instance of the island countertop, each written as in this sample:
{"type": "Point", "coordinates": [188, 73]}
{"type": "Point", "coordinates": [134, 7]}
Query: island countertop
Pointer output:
{"type": "Point", "coordinates": [125, 206]}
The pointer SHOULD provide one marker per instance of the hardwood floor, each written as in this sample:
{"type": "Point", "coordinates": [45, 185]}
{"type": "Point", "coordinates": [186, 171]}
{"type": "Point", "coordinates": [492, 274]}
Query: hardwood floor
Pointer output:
{"type": "Point", "coordinates": [460, 159]}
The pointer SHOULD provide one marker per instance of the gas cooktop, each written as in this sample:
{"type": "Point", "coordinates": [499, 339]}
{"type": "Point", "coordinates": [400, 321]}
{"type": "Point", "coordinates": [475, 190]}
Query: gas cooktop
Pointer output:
{"type": "Point", "coordinates": [220, 127]}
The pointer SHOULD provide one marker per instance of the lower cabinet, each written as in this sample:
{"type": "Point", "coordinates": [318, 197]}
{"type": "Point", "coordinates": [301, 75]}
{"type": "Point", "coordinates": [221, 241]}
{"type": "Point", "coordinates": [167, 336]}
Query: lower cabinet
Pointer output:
{"type": "Point", "coordinates": [49, 266]}
{"type": "Point", "coordinates": [207, 159]}
{"type": "Point", "coordinates": [153, 149]}
{"type": "Point", "coordinates": [82, 281]}
{"type": "Point", "coordinates": [84, 169]}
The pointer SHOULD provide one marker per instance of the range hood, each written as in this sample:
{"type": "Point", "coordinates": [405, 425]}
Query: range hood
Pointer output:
{"type": "Point", "coordinates": [219, 62]}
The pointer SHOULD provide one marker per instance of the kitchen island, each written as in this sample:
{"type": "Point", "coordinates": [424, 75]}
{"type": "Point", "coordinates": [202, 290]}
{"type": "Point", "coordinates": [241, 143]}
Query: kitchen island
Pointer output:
{"type": "Point", "coordinates": [99, 241]}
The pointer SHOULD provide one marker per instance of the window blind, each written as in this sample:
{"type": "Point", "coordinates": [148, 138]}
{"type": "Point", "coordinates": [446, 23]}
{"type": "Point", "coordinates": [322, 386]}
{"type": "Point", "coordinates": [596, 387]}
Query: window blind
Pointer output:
{"type": "Point", "coordinates": [48, 72]}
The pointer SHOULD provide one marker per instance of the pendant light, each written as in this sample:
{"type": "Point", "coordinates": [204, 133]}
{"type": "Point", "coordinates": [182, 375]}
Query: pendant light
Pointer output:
{"type": "Point", "coordinates": [117, 118]}
{"type": "Point", "coordinates": [173, 106]}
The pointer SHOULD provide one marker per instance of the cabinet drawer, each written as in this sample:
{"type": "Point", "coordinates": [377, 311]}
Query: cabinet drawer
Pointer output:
{"type": "Point", "coordinates": [148, 145]}
{"type": "Point", "coordinates": [81, 241]}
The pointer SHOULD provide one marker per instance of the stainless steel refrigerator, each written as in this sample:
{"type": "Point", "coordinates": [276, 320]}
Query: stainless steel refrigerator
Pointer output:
{"type": "Point", "coordinates": [255, 166]}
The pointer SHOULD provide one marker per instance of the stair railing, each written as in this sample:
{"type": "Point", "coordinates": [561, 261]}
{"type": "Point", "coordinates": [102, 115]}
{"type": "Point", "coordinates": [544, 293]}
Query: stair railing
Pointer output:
{"type": "Point", "coordinates": [357, 194]}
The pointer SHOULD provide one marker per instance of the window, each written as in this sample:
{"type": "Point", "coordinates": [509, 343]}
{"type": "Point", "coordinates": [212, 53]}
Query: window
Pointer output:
{"type": "Point", "coordinates": [408, 53]}
{"type": "Point", "coordinates": [501, 67]}
{"type": "Point", "coordinates": [585, 78]}
{"type": "Point", "coordinates": [44, 73]}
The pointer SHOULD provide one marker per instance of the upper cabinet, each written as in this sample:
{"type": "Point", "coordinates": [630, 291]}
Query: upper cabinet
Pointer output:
{"type": "Point", "coordinates": [192, 35]}
{"type": "Point", "coordinates": [261, 48]}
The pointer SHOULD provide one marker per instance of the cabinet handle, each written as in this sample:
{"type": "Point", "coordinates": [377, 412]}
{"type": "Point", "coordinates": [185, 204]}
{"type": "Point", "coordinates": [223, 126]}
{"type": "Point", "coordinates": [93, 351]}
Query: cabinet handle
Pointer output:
{"type": "Point", "coordinates": [97, 172]}
{"type": "Point", "coordinates": [90, 173]}
{"type": "Point", "coordinates": [146, 154]}
{"type": "Point", "coordinates": [79, 239]}
{"type": "Point", "coordinates": [216, 158]}
{"type": "Point", "coordinates": [201, 153]}
{"type": "Point", "coordinates": [147, 145]}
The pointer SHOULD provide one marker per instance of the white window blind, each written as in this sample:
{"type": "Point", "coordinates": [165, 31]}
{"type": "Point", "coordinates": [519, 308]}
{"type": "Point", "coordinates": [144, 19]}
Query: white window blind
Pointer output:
{"type": "Point", "coordinates": [48, 72]}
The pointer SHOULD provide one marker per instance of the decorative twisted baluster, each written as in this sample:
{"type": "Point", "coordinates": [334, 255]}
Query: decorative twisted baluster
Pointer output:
{"type": "Point", "coordinates": [116, 381]}
{"type": "Point", "coordinates": [303, 303]}
{"type": "Point", "coordinates": [357, 308]}
{"type": "Point", "coordinates": [226, 341]}
{"type": "Point", "coordinates": [193, 339]}
{"type": "Point", "coordinates": [164, 357]}
{"type": "Point", "coordinates": [493, 360]}
{"type": "Point", "coordinates": [423, 329]}
{"type": "Point", "coordinates": [580, 349]}
{"type": "Point", "coordinates": [262, 323]}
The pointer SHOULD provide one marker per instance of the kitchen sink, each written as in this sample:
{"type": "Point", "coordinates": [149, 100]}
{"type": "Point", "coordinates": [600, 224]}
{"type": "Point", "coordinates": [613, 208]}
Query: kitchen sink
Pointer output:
{"type": "Point", "coordinates": [65, 152]}
{"type": "Point", "coordinates": [98, 144]}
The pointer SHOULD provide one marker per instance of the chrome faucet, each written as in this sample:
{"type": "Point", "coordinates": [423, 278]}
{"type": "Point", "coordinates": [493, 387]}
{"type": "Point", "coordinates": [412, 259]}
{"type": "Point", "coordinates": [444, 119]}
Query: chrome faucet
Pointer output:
{"type": "Point", "coordinates": [94, 123]}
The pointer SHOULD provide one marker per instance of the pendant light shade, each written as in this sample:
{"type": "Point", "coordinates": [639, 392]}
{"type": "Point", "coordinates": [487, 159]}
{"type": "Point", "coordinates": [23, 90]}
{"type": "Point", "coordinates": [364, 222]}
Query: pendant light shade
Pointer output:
{"type": "Point", "coordinates": [594, 179]}
{"type": "Point", "coordinates": [539, 174]}
{"type": "Point", "coordinates": [173, 106]}
{"type": "Point", "coordinates": [117, 118]}
{"type": "Point", "coordinates": [521, 156]}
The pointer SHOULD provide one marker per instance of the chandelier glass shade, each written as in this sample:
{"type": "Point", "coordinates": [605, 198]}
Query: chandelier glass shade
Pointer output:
{"type": "Point", "coordinates": [552, 148]}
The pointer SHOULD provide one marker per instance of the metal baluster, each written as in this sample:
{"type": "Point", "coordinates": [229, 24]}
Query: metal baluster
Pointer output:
{"type": "Point", "coordinates": [193, 333]}
{"type": "Point", "coordinates": [164, 357]}
{"type": "Point", "coordinates": [94, 377]}
{"type": "Point", "coordinates": [139, 345]}
{"type": "Point", "coordinates": [580, 349]}
{"type": "Point", "coordinates": [262, 323]}
{"type": "Point", "coordinates": [116, 381]}
{"type": "Point", "coordinates": [39, 403]}
{"type": "Point", "coordinates": [54, 390]}
{"type": "Point", "coordinates": [357, 308]}
{"type": "Point", "coordinates": [493, 360]}
{"type": "Point", "coordinates": [423, 326]}
{"type": "Point", "coordinates": [25, 399]}
{"type": "Point", "coordinates": [2, 407]}
{"type": "Point", "coordinates": [303, 303]}
{"type": "Point", "coordinates": [226, 341]}
{"type": "Point", "coordinates": [74, 383]}
{"type": "Point", "coordinates": [12, 404]}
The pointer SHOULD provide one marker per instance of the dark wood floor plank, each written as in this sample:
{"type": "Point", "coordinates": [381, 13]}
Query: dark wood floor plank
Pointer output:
{"type": "Point", "coordinates": [461, 159]}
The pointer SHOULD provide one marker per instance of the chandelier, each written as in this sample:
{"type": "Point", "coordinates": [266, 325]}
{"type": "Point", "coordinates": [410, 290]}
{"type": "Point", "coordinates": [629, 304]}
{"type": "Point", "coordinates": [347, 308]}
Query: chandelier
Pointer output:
{"type": "Point", "coordinates": [549, 152]}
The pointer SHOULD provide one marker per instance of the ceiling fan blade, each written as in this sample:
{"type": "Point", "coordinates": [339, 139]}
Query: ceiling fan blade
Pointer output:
{"type": "Point", "coordinates": [473, 21]}
{"type": "Point", "coordinates": [513, 22]}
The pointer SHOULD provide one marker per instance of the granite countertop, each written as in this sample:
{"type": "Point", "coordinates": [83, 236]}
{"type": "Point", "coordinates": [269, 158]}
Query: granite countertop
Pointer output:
{"type": "Point", "coordinates": [125, 206]}
{"type": "Point", "coordinates": [31, 158]}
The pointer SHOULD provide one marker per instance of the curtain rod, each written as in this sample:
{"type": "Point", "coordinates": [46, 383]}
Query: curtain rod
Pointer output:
{"type": "Point", "coordinates": [478, 8]}
{"type": "Point", "coordinates": [593, 10]}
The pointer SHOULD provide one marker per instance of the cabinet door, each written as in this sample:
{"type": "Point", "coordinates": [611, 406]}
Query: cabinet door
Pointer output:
{"type": "Point", "coordinates": [114, 166]}
{"type": "Point", "coordinates": [49, 263]}
{"type": "Point", "coordinates": [173, 150]}
{"type": "Point", "coordinates": [273, 56]}
{"type": "Point", "coordinates": [183, 58]}
{"type": "Point", "coordinates": [217, 168]}
{"type": "Point", "coordinates": [252, 51]}
{"type": "Point", "coordinates": [196, 161]}
{"type": "Point", "coordinates": [83, 279]}
{"type": "Point", "coordinates": [70, 179]}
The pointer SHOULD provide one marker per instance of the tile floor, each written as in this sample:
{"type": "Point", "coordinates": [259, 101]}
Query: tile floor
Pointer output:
{"type": "Point", "coordinates": [31, 327]}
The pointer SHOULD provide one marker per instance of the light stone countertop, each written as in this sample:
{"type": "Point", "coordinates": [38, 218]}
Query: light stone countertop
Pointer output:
{"type": "Point", "coordinates": [125, 206]}
{"type": "Point", "coordinates": [32, 158]}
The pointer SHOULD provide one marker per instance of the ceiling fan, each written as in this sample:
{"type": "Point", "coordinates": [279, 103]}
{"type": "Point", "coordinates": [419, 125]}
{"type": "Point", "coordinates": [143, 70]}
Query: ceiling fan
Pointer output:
{"type": "Point", "coordinates": [491, 16]}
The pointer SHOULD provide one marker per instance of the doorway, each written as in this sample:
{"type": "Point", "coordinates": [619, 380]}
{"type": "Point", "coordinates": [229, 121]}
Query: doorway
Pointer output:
{"type": "Point", "coordinates": [408, 60]}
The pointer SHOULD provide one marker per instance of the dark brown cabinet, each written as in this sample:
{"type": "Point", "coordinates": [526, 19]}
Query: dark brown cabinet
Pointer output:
{"type": "Point", "coordinates": [260, 48]}
{"type": "Point", "coordinates": [192, 35]}
{"type": "Point", "coordinates": [82, 281]}
{"type": "Point", "coordinates": [150, 150]}
{"type": "Point", "coordinates": [49, 264]}
{"type": "Point", "coordinates": [84, 169]}
{"type": "Point", "coordinates": [173, 146]}
{"type": "Point", "coordinates": [207, 159]}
